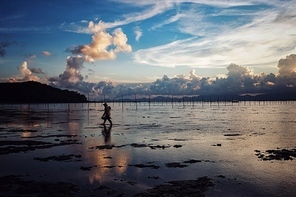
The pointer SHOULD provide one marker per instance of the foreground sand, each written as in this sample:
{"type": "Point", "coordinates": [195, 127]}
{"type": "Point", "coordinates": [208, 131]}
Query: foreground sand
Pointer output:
{"type": "Point", "coordinates": [148, 152]}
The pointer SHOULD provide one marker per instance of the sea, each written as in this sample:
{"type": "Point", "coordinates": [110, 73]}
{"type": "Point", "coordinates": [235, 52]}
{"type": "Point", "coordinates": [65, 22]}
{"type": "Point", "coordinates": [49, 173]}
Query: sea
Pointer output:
{"type": "Point", "coordinates": [246, 148]}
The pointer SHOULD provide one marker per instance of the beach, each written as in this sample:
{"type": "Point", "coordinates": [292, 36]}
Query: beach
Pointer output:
{"type": "Point", "coordinates": [152, 149]}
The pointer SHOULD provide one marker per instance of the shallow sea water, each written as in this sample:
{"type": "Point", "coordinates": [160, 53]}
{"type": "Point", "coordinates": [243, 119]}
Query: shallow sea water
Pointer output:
{"type": "Point", "coordinates": [144, 138]}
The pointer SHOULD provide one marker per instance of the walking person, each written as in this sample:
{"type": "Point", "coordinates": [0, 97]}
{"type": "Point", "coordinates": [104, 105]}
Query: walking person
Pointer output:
{"type": "Point", "coordinates": [107, 114]}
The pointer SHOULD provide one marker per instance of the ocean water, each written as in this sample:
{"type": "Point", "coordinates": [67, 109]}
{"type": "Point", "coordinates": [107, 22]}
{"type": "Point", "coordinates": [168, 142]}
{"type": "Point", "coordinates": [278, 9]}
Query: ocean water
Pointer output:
{"type": "Point", "coordinates": [228, 143]}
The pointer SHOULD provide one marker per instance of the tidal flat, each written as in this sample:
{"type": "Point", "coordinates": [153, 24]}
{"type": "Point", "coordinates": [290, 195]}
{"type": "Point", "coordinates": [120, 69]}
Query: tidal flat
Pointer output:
{"type": "Point", "coordinates": [158, 149]}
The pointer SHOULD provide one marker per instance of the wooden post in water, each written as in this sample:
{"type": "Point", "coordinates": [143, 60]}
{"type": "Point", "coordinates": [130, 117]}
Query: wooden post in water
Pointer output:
{"type": "Point", "coordinates": [136, 101]}
{"type": "Point", "coordinates": [218, 101]}
{"type": "Point", "coordinates": [202, 101]}
{"type": "Point", "coordinates": [122, 102]}
{"type": "Point", "coordinates": [88, 101]}
{"type": "Point", "coordinates": [210, 101]}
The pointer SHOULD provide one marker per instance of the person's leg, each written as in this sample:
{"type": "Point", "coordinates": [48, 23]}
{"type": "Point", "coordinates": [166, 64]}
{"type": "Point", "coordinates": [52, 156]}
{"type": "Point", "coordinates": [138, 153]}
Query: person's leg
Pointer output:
{"type": "Point", "coordinates": [109, 119]}
{"type": "Point", "coordinates": [104, 121]}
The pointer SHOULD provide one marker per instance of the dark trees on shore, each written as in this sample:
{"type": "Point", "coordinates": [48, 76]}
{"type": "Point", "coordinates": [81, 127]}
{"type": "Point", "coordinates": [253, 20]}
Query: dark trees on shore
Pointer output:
{"type": "Point", "coordinates": [35, 92]}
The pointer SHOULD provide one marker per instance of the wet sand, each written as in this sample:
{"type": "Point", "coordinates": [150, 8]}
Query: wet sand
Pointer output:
{"type": "Point", "coordinates": [158, 151]}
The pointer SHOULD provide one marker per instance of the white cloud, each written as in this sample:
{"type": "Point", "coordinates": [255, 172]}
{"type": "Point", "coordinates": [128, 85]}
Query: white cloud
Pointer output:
{"type": "Point", "coordinates": [102, 42]}
{"type": "Point", "coordinates": [138, 32]}
{"type": "Point", "coordinates": [287, 66]}
{"type": "Point", "coordinates": [261, 42]}
{"type": "Point", "coordinates": [155, 8]}
{"type": "Point", "coordinates": [120, 41]}
{"type": "Point", "coordinates": [26, 74]}
{"type": "Point", "coordinates": [46, 53]}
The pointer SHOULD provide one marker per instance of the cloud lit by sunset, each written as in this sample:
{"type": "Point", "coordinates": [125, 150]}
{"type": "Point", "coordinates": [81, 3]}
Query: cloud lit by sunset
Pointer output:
{"type": "Point", "coordinates": [172, 47]}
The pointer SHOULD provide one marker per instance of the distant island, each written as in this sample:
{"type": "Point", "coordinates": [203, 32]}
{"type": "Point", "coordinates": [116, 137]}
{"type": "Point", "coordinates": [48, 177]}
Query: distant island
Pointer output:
{"type": "Point", "coordinates": [35, 92]}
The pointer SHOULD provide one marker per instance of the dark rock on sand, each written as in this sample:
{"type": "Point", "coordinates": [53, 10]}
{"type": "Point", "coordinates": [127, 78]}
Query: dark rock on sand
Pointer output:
{"type": "Point", "coordinates": [190, 188]}
{"type": "Point", "coordinates": [11, 146]}
{"type": "Point", "coordinates": [175, 165]}
{"type": "Point", "coordinates": [159, 146]}
{"type": "Point", "coordinates": [102, 147]}
{"type": "Point", "coordinates": [177, 146]}
{"type": "Point", "coordinates": [153, 177]}
{"type": "Point", "coordinates": [88, 168]}
{"type": "Point", "coordinates": [15, 186]}
{"type": "Point", "coordinates": [279, 154]}
{"type": "Point", "coordinates": [59, 158]}
{"type": "Point", "coordinates": [192, 161]}
{"type": "Point", "coordinates": [138, 145]}
{"type": "Point", "coordinates": [145, 166]}
{"type": "Point", "coordinates": [232, 134]}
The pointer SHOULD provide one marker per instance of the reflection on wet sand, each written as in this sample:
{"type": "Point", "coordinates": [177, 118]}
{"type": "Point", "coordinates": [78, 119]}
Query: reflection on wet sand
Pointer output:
{"type": "Point", "coordinates": [107, 133]}
{"type": "Point", "coordinates": [104, 163]}
{"type": "Point", "coordinates": [103, 160]}
{"type": "Point", "coordinates": [241, 149]}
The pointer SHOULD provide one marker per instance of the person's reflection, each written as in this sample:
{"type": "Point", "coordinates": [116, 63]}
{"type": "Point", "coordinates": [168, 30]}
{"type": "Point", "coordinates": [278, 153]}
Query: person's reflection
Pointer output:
{"type": "Point", "coordinates": [106, 131]}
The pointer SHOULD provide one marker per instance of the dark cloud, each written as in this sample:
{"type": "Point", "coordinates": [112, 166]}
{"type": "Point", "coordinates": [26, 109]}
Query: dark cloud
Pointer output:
{"type": "Point", "coordinates": [91, 72]}
{"type": "Point", "coordinates": [3, 45]}
{"type": "Point", "coordinates": [72, 78]}
{"type": "Point", "coordinates": [239, 80]}
{"type": "Point", "coordinates": [36, 70]}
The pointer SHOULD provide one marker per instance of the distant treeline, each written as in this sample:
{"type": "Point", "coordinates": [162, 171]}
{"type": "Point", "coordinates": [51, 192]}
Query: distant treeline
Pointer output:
{"type": "Point", "coordinates": [35, 92]}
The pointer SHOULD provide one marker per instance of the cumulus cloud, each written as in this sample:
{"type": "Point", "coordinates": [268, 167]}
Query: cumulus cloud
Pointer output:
{"type": "Point", "coordinates": [72, 79]}
{"type": "Point", "coordinates": [71, 75]}
{"type": "Point", "coordinates": [239, 80]}
{"type": "Point", "coordinates": [287, 66]}
{"type": "Point", "coordinates": [120, 41]}
{"type": "Point", "coordinates": [26, 74]}
{"type": "Point", "coordinates": [103, 46]}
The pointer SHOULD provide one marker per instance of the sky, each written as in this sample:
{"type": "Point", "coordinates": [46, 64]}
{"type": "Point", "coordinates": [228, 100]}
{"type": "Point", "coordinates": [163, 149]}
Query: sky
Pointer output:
{"type": "Point", "coordinates": [125, 47]}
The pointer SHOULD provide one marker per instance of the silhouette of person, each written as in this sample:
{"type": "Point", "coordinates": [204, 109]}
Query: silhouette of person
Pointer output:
{"type": "Point", "coordinates": [107, 114]}
{"type": "Point", "coordinates": [107, 133]}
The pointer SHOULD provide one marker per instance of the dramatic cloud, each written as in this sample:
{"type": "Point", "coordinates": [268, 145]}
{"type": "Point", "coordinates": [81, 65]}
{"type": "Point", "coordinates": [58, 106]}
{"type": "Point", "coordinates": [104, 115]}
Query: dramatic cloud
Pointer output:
{"type": "Point", "coordinates": [71, 76]}
{"type": "Point", "coordinates": [287, 66]}
{"type": "Point", "coordinates": [26, 74]}
{"type": "Point", "coordinates": [103, 46]}
{"type": "Point", "coordinates": [239, 80]}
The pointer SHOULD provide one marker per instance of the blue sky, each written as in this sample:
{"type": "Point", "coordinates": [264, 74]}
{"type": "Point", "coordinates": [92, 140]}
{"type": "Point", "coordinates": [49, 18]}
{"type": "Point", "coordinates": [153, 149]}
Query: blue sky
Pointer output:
{"type": "Point", "coordinates": [89, 45]}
